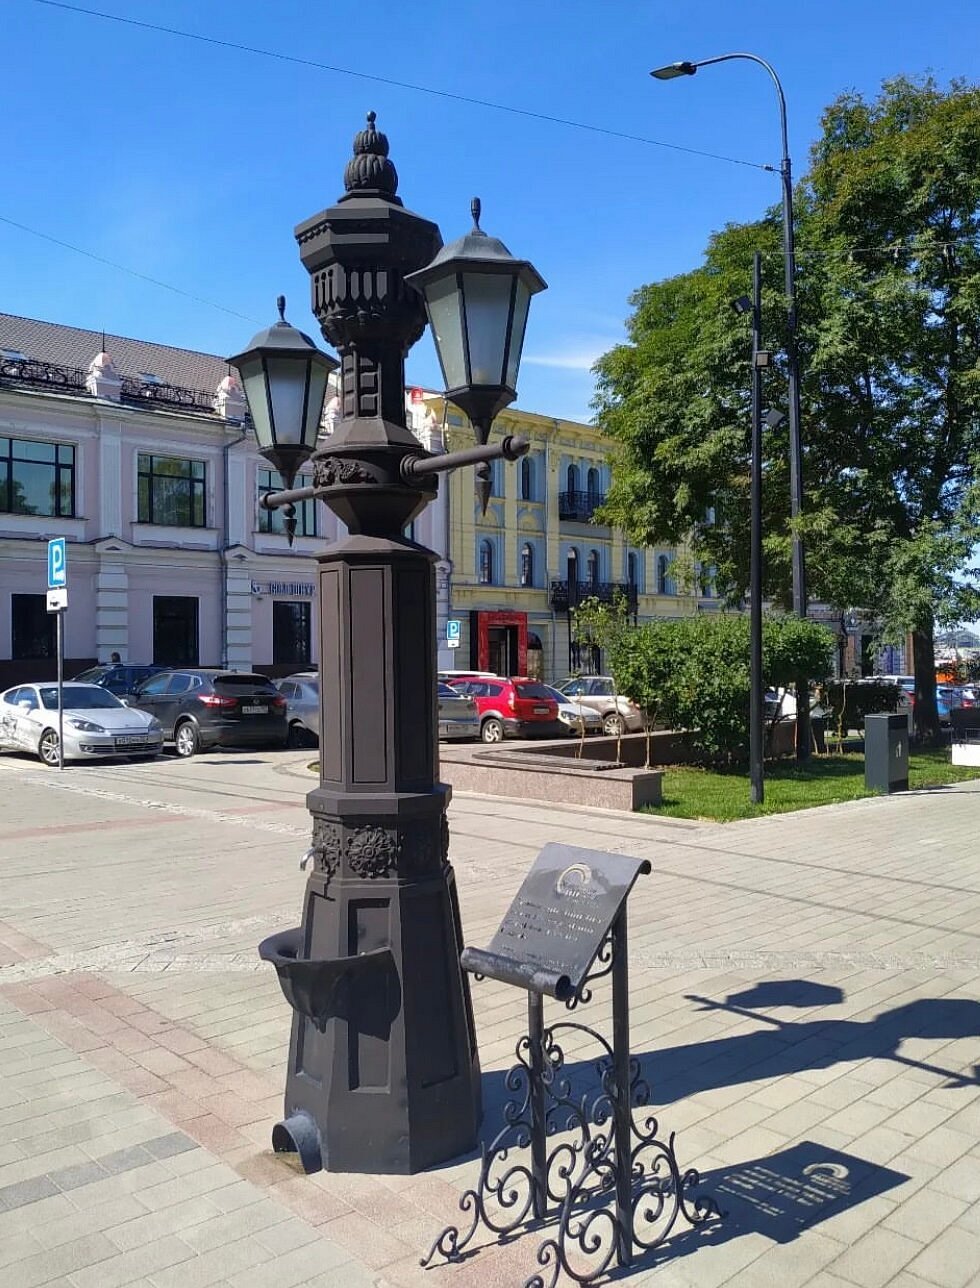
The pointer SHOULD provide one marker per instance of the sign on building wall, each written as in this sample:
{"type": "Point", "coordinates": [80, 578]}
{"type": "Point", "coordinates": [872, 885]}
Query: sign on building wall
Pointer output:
{"type": "Point", "coordinates": [283, 588]}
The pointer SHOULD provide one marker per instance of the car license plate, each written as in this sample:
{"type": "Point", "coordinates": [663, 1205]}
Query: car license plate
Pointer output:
{"type": "Point", "coordinates": [540, 711]}
{"type": "Point", "coordinates": [255, 710]}
{"type": "Point", "coordinates": [136, 740]}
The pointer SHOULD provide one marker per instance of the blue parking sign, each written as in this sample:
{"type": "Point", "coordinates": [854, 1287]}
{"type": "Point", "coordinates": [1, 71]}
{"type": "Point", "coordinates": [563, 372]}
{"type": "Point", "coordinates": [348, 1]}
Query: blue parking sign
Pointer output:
{"type": "Point", "coordinates": [453, 625]}
{"type": "Point", "coordinates": [57, 564]}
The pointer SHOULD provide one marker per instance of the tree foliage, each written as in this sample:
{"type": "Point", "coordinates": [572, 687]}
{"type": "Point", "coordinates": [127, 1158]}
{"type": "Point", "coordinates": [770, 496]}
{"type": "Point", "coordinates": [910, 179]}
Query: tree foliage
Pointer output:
{"type": "Point", "coordinates": [888, 237]}
{"type": "Point", "coordinates": [692, 673]}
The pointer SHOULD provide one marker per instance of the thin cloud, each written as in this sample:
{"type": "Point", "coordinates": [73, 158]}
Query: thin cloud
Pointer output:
{"type": "Point", "coordinates": [573, 358]}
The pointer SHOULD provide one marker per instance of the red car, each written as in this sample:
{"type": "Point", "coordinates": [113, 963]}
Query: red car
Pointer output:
{"type": "Point", "coordinates": [511, 706]}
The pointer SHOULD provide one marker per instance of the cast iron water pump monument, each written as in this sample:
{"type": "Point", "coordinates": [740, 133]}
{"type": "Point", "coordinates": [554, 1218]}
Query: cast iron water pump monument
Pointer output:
{"type": "Point", "coordinates": [383, 1070]}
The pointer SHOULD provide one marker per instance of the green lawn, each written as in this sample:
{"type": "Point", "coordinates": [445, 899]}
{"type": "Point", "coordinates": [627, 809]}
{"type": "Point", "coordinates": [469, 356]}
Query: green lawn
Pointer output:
{"type": "Point", "coordinates": [723, 797]}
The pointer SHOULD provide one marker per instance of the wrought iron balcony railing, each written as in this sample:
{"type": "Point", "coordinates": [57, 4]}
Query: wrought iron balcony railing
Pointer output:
{"type": "Point", "coordinates": [28, 371]}
{"type": "Point", "coordinates": [579, 507]}
{"type": "Point", "coordinates": [567, 594]}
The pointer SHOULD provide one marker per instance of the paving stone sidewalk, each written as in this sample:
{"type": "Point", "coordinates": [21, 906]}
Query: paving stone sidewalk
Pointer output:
{"type": "Point", "coordinates": [804, 998]}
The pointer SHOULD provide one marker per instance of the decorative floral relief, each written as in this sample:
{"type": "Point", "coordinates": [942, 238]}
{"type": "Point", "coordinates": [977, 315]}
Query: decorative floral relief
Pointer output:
{"type": "Point", "coordinates": [333, 470]}
{"type": "Point", "coordinates": [326, 847]}
{"type": "Point", "coordinates": [372, 851]}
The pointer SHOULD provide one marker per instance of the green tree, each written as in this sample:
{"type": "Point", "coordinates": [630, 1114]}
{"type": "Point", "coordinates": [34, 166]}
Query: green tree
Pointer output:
{"type": "Point", "coordinates": [890, 350]}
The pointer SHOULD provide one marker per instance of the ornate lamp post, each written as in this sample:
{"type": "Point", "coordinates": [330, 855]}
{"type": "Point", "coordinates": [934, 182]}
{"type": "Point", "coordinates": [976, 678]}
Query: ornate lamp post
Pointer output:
{"type": "Point", "coordinates": [383, 1068]}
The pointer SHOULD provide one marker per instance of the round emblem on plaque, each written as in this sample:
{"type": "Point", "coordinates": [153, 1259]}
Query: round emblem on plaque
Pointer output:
{"type": "Point", "coordinates": [574, 879]}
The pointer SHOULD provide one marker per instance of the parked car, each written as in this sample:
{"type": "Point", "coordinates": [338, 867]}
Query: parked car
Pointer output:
{"type": "Point", "coordinates": [120, 678]}
{"type": "Point", "coordinates": [458, 715]}
{"type": "Point", "coordinates": [949, 698]}
{"type": "Point", "coordinates": [574, 714]}
{"type": "Point", "coordinates": [619, 714]}
{"type": "Point", "coordinates": [450, 677]}
{"type": "Point", "coordinates": [95, 722]}
{"type": "Point", "coordinates": [302, 694]}
{"type": "Point", "coordinates": [202, 707]}
{"type": "Point", "coordinates": [515, 707]}
{"type": "Point", "coordinates": [970, 696]}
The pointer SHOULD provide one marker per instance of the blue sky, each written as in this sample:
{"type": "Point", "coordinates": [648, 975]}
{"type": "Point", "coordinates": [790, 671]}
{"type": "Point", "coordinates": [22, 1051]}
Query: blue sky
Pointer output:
{"type": "Point", "coordinates": [192, 163]}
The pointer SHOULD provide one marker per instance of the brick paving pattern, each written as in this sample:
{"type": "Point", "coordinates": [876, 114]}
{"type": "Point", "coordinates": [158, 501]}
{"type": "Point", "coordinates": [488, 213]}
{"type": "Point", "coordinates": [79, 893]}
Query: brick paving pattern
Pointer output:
{"type": "Point", "coordinates": [799, 983]}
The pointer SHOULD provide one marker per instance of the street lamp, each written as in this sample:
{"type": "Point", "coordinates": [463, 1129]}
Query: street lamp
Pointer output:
{"type": "Point", "coordinates": [284, 376]}
{"type": "Point", "coordinates": [384, 1073]}
{"type": "Point", "coordinates": [671, 72]}
{"type": "Point", "coordinates": [477, 297]}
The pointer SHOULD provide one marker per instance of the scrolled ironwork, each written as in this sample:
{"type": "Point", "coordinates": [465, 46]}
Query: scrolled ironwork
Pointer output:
{"type": "Point", "coordinates": [611, 1187]}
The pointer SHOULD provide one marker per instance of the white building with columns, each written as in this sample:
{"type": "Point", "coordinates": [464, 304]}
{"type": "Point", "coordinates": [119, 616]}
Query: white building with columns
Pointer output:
{"type": "Point", "coordinates": [141, 456]}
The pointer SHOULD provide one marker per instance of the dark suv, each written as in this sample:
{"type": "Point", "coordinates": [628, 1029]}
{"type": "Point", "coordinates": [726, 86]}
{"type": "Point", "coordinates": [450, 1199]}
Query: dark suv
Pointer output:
{"type": "Point", "coordinates": [201, 707]}
{"type": "Point", "coordinates": [119, 678]}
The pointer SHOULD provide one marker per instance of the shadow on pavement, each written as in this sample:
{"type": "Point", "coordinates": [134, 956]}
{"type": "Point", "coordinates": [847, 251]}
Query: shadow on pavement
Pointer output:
{"type": "Point", "coordinates": [780, 1196]}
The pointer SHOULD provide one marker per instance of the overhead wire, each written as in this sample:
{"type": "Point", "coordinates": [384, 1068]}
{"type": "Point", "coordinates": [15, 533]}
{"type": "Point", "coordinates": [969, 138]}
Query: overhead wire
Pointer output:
{"type": "Point", "coordinates": [414, 87]}
{"type": "Point", "coordinates": [123, 268]}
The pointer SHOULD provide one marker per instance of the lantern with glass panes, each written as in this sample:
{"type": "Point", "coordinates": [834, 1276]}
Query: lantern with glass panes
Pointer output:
{"type": "Point", "coordinates": [476, 297]}
{"type": "Point", "coordinates": [284, 376]}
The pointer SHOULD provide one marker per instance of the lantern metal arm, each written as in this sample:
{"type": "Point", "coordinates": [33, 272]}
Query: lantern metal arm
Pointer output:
{"type": "Point", "coordinates": [510, 448]}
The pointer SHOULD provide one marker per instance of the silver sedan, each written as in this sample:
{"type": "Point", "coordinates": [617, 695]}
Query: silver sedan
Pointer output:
{"type": "Point", "coordinates": [302, 694]}
{"type": "Point", "coordinates": [96, 724]}
{"type": "Point", "coordinates": [458, 716]}
{"type": "Point", "coordinates": [575, 715]}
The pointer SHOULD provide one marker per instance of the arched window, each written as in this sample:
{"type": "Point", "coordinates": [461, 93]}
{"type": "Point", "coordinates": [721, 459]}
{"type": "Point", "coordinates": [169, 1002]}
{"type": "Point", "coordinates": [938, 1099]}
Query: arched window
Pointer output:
{"type": "Point", "coordinates": [571, 479]}
{"type": "Point", "coordinates": [527, 565]}
{"type": "Point", "coordinates": [593, 569]}
{"type": "Point", "coordinates": [486, 563]}
{"type": "Point", "coordinates": [592, 486]}
{"type": "Point", "coordinates": [631, 569]}
{"type": "Point", "coordinates": [527, 479]}
{"type": "Point", "coordinates": [571, 572]}
{"type": "Point", "coordinates": [665, 585]}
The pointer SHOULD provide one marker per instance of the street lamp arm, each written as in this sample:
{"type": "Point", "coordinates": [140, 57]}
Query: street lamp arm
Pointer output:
{"type": "Point", "coordinates": [755, 58]}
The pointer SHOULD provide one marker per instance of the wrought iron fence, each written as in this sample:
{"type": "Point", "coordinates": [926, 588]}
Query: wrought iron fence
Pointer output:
{"type": "Point", "coordinates": [29, 371]}
{"type": "Point", "coordinates": [134, 390]}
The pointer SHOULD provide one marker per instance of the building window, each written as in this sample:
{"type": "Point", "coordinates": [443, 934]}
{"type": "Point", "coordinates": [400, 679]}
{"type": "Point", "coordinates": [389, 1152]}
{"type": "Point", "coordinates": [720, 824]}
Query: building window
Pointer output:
{"type": "Point", "coordinates": [291, 632]}
{"type": "Point", "coordinates": [593, 569]}
{"type": "Point", "coordinates": [486, 563]}
{"type": "Point", "coordinates": [32, 628]}
{"type": "Point", "coordinates": [496, 478]}
{"type": "Point", "coordinates": [170, 491]}
{"type": "Point", "coordinates": [631, 569]}
{"type": "Point", "coordinates": [571, 479]}
{"type": "Point", "coordinates": [527, 479]}
{"type": "Point", "coordinates": [527, 565]}
{"type": "Point", "coordinates": [272, 520]}
{"type": "Point", "coordinates": [175, 631]}
{"type": "Point", "coordinates": [37, 478]}
{"type": "Point", "coordinates": [592, 488]}
{"type": "Point", "coordinates": [665, 583]}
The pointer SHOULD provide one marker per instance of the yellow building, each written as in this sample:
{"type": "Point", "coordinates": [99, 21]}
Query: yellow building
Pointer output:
{"type": "Point", "coordinates": [517, 570]}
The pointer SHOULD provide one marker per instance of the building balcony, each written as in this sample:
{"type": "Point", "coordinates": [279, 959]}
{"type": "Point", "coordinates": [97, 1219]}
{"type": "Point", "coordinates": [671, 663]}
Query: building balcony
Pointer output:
{"type": "Point", "coordinates": [565, 595]}
{"type": "Point", "coordinates": [579, 507]}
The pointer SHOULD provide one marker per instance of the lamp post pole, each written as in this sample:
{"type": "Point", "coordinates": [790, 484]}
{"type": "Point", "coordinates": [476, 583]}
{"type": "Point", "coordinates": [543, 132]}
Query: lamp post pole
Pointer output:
{"type": "Point", "coordinates": [757, 753]}
{"type": "Point", "coordinates": [383, 1072]}
{"type": "Point", "coordinates": [671, 72]}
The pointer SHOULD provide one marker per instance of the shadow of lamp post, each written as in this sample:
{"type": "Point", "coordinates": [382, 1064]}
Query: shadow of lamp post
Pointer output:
{"type": "Point", "coordinates": [383, 1072]}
